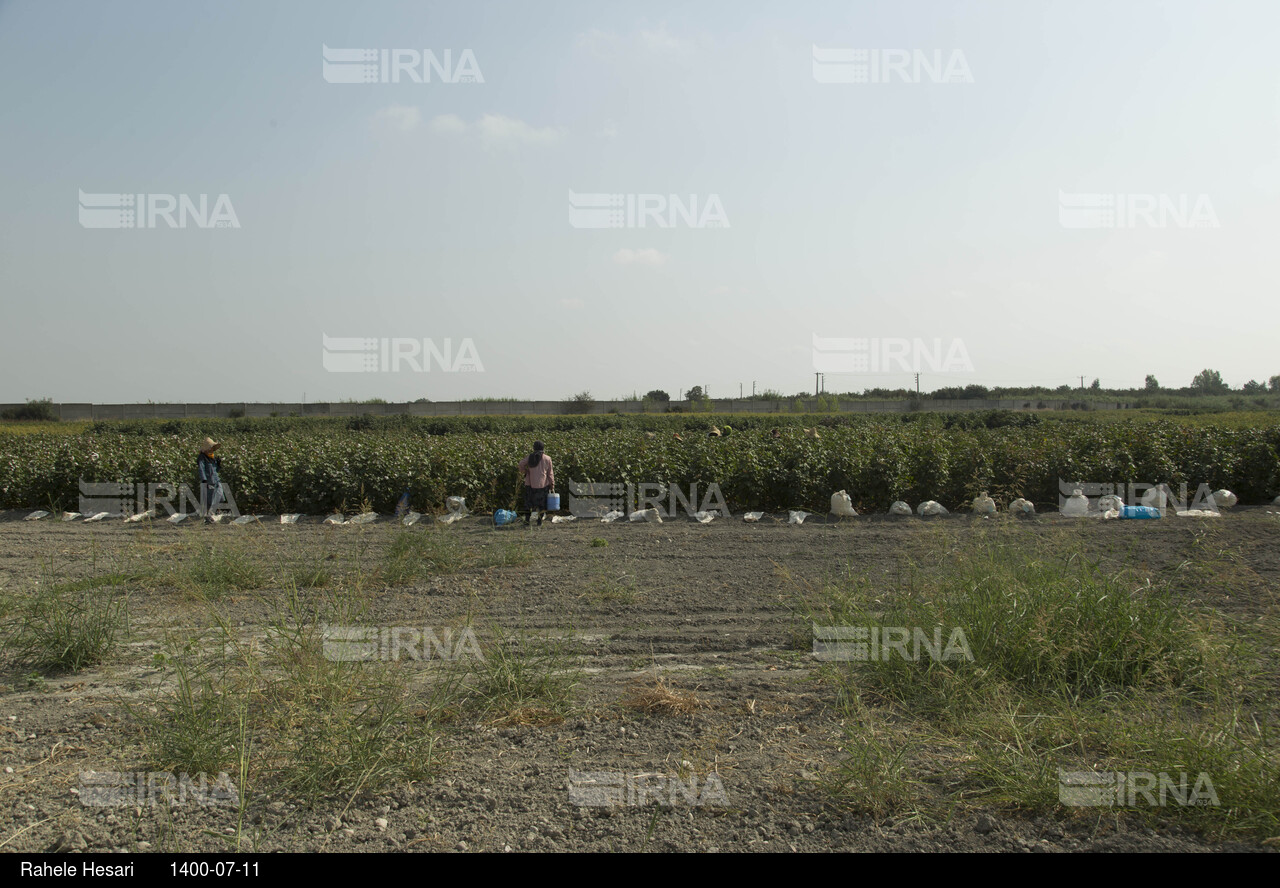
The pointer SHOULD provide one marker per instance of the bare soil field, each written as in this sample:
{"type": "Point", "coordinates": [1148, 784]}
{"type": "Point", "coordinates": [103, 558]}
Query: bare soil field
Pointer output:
{"type": "Point", "coordinates": [674, 657]}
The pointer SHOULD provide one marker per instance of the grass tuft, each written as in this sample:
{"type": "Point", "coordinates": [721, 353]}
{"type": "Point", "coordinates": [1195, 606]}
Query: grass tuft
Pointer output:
{"type": "Point", "coordinates": [661, 699]}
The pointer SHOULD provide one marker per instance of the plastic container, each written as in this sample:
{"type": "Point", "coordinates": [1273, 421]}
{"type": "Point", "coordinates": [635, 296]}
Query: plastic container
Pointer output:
{"type": "Point", "coordinates": [553, 502]}
{"type": "Point", "coordinates": [1139, 512]}
{"type": "Point", "coordinates": [503, 516]}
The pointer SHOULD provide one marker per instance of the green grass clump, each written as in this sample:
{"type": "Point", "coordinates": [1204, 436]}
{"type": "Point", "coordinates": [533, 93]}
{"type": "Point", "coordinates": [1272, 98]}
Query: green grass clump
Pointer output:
{"type": "Point", "coordinates": [194, 729]}
{"type": "Point", "coordinates": [219, 569]}
{"type": "Point", "coordinates": [1069, 663]}
{"type": "Point", "coordinates": [418, 553]}
{"type": "Point", "coordinates": [523, 679]}
{"type": "Point", "coordinates": [65, 630]}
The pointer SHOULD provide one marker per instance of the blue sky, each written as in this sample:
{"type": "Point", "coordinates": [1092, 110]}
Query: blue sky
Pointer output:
{"type": "Point", "coordinates": [907, 209]}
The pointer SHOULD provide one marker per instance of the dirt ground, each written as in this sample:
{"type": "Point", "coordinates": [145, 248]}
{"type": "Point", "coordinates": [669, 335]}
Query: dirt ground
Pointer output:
{"type": "Point", "coordinates": [709, 608]}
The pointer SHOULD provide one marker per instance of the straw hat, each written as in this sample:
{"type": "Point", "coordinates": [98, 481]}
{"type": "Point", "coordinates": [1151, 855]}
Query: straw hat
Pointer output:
{"type": "Point", "coordinates": [208, 445]}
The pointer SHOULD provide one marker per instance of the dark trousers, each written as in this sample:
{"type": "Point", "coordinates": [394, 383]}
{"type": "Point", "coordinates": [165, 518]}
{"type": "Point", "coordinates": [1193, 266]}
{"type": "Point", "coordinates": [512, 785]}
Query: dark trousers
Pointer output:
{"type": "Point", "coordinates": [535, 500]}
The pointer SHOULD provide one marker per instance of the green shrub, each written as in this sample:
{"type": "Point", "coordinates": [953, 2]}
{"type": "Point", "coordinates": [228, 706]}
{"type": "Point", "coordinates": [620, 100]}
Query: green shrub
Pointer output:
{"type": "Point", "coordinates": [39, 411]}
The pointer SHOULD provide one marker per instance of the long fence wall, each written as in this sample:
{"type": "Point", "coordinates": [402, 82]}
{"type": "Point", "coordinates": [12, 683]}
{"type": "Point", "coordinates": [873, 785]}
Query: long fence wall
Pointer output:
{"type": "Point", "coordinates": [547, 408]}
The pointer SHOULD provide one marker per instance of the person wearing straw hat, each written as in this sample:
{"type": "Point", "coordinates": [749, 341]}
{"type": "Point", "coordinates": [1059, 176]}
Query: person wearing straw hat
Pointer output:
{"type": "Point", "coordinates": [207, 466]}
{"type": "Point", "coordinates": [539, 478]}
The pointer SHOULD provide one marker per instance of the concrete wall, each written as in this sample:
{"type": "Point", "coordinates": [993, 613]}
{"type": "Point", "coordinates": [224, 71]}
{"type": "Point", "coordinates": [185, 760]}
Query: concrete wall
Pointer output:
{"type": "Point", "coordinates": [543, 408]}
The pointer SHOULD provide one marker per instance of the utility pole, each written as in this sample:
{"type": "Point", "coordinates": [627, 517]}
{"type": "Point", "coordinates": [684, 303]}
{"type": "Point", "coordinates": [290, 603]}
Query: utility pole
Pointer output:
{"type": "Point", "coordinates": [739, 391]}
{"type": "Point", "coordinates": [1081, 383]}
{"type": "Point", "coordinates": [753, 389]}
{"type": "Point", "coordinates": [815, 384]}
{"type": "Point", "coordinates": [917, 386]}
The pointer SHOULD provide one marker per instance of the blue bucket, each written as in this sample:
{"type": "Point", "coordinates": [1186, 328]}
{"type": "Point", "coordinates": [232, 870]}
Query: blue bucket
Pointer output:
{"type": "Point", "coordinates": [553, 502]}
{"type": "Point", "coordinates": [503, 516]}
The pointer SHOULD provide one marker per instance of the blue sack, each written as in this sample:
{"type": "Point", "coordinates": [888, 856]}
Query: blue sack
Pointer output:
{"type": "Point", "coordinates": [1139, 512]}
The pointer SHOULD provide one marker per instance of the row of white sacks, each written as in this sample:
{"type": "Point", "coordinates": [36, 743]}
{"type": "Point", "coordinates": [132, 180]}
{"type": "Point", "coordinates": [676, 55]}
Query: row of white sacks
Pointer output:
{"type": "Point", "coordinates": [457, 510]}
{"type": "Point", "coordinates": [1076, 506]}
{"type": "Point", "coordinates": [179, 517]}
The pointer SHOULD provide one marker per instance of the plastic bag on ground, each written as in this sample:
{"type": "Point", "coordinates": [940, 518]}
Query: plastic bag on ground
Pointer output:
{"type": "Point", "coordinates": [795, 517]}
{"type": "Point", "coordinates": [290, 518]}
{"type": "Point", "coordinates": [70, 516]}
{"type": "Point", "coordinates": [218, 519]}
{"type": "Point", "coordinates": [931, 507]}
{"type": "Point", "coordinates": [178, 517]}
{"type": "Point", "coordinates": [98, 517]}
{"type": "Point", "coordinates": [1110, 514]}
{"type": "Point", "coordinates": [647, 515]}
{"type": "Point", "coordinates": [142, 516]}
{"type": "Point", "coordinates": [1022, 506]}
{"type": "Point", "coordinates": [1199, 513]}
{"type": "Point", "coordinates": [611, 517]}
{"type": "Point", "coordinates": [705, 517]}
{"type": "Point", "coordinates": [842, 505]}
{"type": "Point", "coordinates": [411, 518]}
{"type": "Point", "coordinates": [246, 519]}
{"type": "Point", "coordinates": [753, 516]}
{"type": "Point", "coordinates": [364, 518]}
{"type": "Point", "coordinates": [335, 519]}
{"type": "Point", "coordinates": [1110, 503]}
{"type": "Point", "coordinates": [899, 508]}
{"type": "Point", "coordinates": [1076, 506]}
{"type": "Point", "coordinates": [561, 519]}
{"type": "Point", "coordinates": [457, 506]}
{"type": "Point", "coordinates": [1276, 501]}
{"type": "Point", "coordinates": [1224, 499]}
{"type": "Point", "coordinates": [984, 505]}
{"type": "Point", "coordinates": [36, 516]}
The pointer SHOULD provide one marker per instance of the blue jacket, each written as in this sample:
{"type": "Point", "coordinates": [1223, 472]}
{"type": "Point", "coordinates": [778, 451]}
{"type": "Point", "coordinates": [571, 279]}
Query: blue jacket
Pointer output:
{"type": "Point", "coordinates": [207, 469]}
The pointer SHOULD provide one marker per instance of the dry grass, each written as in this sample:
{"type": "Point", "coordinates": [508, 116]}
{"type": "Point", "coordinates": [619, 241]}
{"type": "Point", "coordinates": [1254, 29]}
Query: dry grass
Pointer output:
{"type": "Point", "coordinates": [661, 699]}
{"type": "Point", "coordinates": [530, 717]}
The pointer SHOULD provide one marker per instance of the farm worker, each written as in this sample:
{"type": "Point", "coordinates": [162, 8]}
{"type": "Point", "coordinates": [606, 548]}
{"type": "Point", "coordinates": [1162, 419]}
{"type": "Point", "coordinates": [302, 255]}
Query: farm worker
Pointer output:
{"type": "Point", "coordinates": [539, 478]}
{"type": "Point", "coordinates": [207, 466]}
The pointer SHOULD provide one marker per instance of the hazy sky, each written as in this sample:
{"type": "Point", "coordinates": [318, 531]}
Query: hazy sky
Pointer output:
{"type": "Point", "coordinates": [896, 210]}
